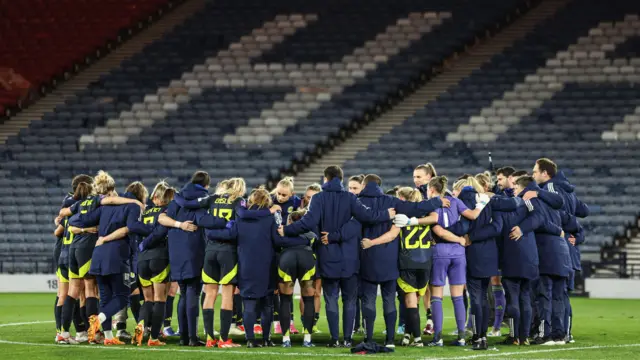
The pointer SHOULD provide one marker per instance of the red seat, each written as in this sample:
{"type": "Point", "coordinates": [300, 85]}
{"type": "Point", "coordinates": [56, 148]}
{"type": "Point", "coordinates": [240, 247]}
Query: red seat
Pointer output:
{"type": "Point", "coordinates": [41, 38]}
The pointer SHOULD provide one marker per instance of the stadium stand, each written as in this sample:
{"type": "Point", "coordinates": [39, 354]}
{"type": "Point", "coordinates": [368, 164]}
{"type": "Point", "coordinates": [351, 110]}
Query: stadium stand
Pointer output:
{"type": "Point", "coordinates": [245, 88]}
{"type": "Point", "coordinates": [567, 91]}
{"type": "Point", "coordinates": [42, 46]}
{"type": "Point", "coordinates": [240, 88]}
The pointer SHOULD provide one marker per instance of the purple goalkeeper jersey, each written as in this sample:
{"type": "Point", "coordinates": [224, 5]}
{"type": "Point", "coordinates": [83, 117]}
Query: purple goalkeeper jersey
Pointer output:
{"type": "Point", "coordinates": [447, 217]}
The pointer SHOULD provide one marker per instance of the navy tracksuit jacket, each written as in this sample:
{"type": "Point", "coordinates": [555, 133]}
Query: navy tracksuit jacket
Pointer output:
{"type": "Point", "coordinates": [256, 234]}
{"type": "Point", "coordinates": [329, 211]}
{"type": "Point", "coordinates": [552, 250]}
{"type": "Point", "coordinates": [186, 249]}
{"type": "Point", "coordinates": [573, 207]}
{"type": "Point", "coordinates": [113, 257]}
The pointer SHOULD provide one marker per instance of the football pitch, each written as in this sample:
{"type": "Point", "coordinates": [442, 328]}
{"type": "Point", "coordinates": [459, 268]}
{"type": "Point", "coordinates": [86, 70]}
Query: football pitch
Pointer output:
{"type": "Point", "coordinates": [604, 329]}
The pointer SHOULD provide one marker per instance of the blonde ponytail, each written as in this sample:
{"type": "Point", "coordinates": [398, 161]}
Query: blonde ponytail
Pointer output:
{"type": "Point", "coordinates": [103, 183]}
{"type": "Point", "coordinates": [260, 197]}
{"type": "Point", "coordinates": [163, 193]}
{"type": "Point", "coordinates": [470, 181]}
{"type": "Point", "coordinates": [409, 194]}
{"type": "Point", "coordinates": [286, 182]}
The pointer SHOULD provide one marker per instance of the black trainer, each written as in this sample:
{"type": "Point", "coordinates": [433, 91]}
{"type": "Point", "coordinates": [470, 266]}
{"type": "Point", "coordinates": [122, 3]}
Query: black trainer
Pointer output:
{"type": "Point", "coordinates": [511, 341]}
{"type": "Point", "coordinates": [124, 336]}
{"type": "Point", "coordinates": [478, 344]}
{"type": "Point", "coordinates": [196, 343]}
{"type": "Point", "coordinates": [268, 343]}
{"type": "Point", "coordinates": [334, 344]}
{"type": "Point", "coordinates": [253, 344]}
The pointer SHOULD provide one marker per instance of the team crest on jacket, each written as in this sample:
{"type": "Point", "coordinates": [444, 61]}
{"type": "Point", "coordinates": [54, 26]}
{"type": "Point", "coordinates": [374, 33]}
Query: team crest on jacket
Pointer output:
{"type": "Point", "coordinates": [243, 203]}
{"type": "Point", "coordinates": [290, 209]}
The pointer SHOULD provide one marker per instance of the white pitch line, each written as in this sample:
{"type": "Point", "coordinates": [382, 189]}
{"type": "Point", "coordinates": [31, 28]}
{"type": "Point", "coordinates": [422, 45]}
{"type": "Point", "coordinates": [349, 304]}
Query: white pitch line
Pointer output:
{"type": "Point", "coordinates": [212, 352]}
{"type": "Point", "coordinates": [493, 354]}
{"type": "Point", "coordinates": [26, 323]}
{"type": "Point", "coordinates": [230, 352]}
{"type": "Point", "coordinates": [241, 352]}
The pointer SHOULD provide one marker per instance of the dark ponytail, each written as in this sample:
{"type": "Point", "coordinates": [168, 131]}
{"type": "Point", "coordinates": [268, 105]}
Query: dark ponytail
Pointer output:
{"type": "Point", "coordinates": [82, 178]}
{"type": "Point", "coordinates": [82, 190]}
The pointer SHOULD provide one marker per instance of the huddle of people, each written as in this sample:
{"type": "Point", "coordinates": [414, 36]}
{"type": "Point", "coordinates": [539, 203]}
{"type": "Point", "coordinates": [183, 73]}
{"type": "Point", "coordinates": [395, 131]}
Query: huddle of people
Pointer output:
{"type": "Point", "coordinates": [520, 237]}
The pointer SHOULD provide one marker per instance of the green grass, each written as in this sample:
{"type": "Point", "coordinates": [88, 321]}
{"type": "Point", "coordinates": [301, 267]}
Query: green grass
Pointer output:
{"type": "Point", "coordinates": [604, 329]}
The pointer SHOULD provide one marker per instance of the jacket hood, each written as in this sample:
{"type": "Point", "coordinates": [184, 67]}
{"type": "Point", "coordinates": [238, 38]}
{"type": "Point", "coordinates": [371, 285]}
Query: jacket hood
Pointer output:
{"type": "Point", "coordinates": [371, 190]}
{"type": "Point", "coordinates": [193, 191]}
{"type": "Point", "coordinates": [531, 187]}
{"type": "Point", "coordinates": [468, 196]}
{"type": "Point", "coordinates": [509, 192]}
{"type": "Point", "coordinates": [254, 213]}
{"type": "Point", "coordinates": [334, 185]}
{"type": "Point", "coordinates": [468, 189]}
{"type": "Point", "coordinates": [129, 195]}
{"type": "Point", "coordinates": [561, 181]}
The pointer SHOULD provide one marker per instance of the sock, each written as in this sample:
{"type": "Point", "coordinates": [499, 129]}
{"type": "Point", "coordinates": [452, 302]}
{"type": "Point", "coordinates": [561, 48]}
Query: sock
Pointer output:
{"type": "Point", "coordinates": [67, 311]}
{"type": "Point", "coordinates": [148, 314]}
{"type": "Point", "coordinates": [78, 320]}
{"type": "Point", "coordinates": [92, 306]}
{"type": "Point", "coordinates": [121, 326]}
{"type": "Point", "coordinates": [168, 311]}
{"type": "Point", "coordinates": [413, 323]}
{"type": "Point", "coordinates": [237, 309]}
{"type": "Point", "coordinates": [429, 316]}
{"type": "Point", "coordinates": [292, 312]}
{"type": "Point", "coordinates": [55, 314]}
{"type": "Point", "coordinates": [465, 298]}
{"type": "Point", "coordinates": [146, 311]}
{"type": "Point", "coordinates": [203, 295]}
{"type": "Point", "coordinates": [134, 303]}
{"type": "Point", "coordinates": [108, 334]}
{"type": "Point", "coordinates": [316, 317]}
{"type": "Point", "coordinates": [267, 316]}
{"type": "Point", "coordinates": [208, 315]}
{"type": "Point", "coordinates": [102, 317]}
{"type": "Point", "coordinates": [458, 308]}
{"type": "Point", "coordinates": [58, 315]}
{"type": "Point", "coordinates": [249, 316]}
{"type": "Point", "coordinates": [157, 318]}
{"type": "Point", "coordinates": [436, 311]}
{"type": "Point", "coordinates": [276, 309]}
{"type": "Point", "coordinates": [402, 311]}
{"type": "Point", "coordinates": [85, 317]}
{"type": "Point", "coordinates": [308, 315]}
{"type": "Point", "coordinates": [500, 304]}
{"type": "Point", "coordinates": [285, 313]}
{"type": "Point", "coordinates": [225, 323]}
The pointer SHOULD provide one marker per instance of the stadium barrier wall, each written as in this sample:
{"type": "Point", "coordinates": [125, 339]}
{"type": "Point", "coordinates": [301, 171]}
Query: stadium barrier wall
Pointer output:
{"type": "Point", "coordinates": [597, 288]}
{"type": "Point", "coordinates": [613, 288]}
